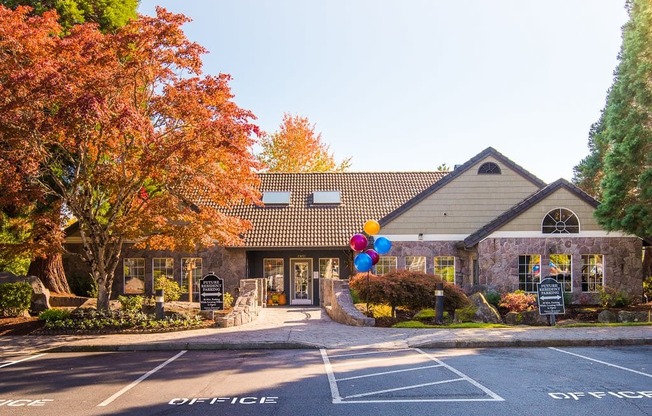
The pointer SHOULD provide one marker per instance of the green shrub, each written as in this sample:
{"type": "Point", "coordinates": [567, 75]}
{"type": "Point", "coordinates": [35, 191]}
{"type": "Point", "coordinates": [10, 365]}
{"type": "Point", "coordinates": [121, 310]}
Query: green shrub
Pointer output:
{"type": "Point", "coordinates": [15, 298]}
{"type": "Point", "coordinates": [131, 304]}
{"type": "Point", "coordinates": [492, 297]}
{"type": "Point", "coordinates": [52, 315]}
{"type": "Point", "coordinates": [518, 301]}
{"type": "Point", "coordinates": [466, 314]}
{"type": "Point", "coordinates": [355, 296]}
{"type": "Point", "coordinates": [171, 289]}
{"type": "Point", "coordinates": [82, 285]}
{"type": "Point", "coordinates": [407, 289]}
{"type": "Point", "coordinates": [613, 298]}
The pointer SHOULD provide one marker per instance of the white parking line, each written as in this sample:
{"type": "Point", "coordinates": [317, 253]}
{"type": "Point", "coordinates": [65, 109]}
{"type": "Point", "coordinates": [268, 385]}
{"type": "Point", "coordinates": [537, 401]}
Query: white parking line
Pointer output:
{"type": "Point", "coordinates": [602, 362]}
{"type": "Point", "coordinates": [8, 363]}
{"type": "Point", "coordinates": [338, 399]}
{"type": "Point", "coordinates": [141, 378]}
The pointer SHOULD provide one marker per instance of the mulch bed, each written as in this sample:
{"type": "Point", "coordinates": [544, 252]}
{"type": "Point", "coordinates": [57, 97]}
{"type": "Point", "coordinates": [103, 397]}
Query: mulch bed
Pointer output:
{"type": "Point", "coordinates": [20, 325]}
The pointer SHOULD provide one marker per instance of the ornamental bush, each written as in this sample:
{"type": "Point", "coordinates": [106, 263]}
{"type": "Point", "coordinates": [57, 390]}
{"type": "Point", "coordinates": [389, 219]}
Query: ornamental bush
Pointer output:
{"type": "Point", "coordinates": [518, 301]}
{"type": "Point", "coordinates": [407, 289]}
{"type": "Point", "coordinates": [15, 298]}
{"type": "Point", "coordinates": [171, 289]}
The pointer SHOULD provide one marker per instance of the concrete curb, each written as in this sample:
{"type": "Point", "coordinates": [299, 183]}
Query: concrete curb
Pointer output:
{"type": "Point", "coordinates": [212, 346]}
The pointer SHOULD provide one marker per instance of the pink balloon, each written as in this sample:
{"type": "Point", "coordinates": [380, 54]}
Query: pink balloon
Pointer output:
{"type": "Point", "coordinates": [358, 242]}
{"type": "Point", "coordinates": [374, 256]}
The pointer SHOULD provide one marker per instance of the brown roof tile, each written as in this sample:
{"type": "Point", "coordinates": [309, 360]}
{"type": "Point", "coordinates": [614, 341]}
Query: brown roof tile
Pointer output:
{"type": "Point", "coordinates": [364, 196]}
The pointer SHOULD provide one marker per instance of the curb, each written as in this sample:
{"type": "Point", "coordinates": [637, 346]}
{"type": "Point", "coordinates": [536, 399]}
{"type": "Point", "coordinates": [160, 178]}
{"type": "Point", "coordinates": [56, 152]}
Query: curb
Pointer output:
{"type": "Point", "coordinates": [213, 346]}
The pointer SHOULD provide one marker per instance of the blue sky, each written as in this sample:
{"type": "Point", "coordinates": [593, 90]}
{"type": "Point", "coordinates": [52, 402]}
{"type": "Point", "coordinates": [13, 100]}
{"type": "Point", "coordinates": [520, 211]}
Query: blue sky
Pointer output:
{"type": "Point", "coordinates": [409, 85]}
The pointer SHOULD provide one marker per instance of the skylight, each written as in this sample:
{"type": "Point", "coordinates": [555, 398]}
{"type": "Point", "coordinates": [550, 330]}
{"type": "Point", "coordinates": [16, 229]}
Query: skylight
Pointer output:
{"type": "Point", "coordinates": [276, 198]}
{"type": "Point", "coordinates": [326, 197]}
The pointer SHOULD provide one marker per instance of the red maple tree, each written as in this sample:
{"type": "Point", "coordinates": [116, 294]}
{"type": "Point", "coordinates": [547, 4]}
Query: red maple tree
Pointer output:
{"type": "Point", "coordinates": [98, 121]}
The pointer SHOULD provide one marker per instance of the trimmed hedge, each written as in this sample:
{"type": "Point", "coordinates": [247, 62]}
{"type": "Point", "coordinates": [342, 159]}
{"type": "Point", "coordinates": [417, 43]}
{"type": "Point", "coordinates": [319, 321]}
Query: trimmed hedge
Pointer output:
{"type": "Point", "coordinates": [404, 288]}
{"type": "Point", "coordinates": [15, 298]}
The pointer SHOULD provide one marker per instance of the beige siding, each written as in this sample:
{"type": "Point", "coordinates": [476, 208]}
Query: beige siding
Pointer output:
{"type": "Point", "coordinates": [464, 205]}
{"type": "Point", "coordinates": [562, 198]}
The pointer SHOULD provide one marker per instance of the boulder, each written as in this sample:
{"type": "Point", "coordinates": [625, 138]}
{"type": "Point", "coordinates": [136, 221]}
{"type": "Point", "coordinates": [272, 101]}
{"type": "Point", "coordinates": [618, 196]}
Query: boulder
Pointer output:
{"type": "Point", "coordinates": [526, 318]}
{"type": "Point", "coordinates": [634, 316]}
{"type": "Point", "coordinates": [485, 312]}
{"type": "Point", "coordinates": [607, 316]}
{"type": "Point", "coordinates": [40, 294]}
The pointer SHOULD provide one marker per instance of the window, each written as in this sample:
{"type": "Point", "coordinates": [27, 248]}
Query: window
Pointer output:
{"type": "Point", "coordinates": [191, 268]}
{"type": "Point", "coordinates": [274, 272]}
{"type": "Point", "coordinates": [592, 272]}
{"type": "Point", "coordinates": [386, 264]}
{"type": "Point", "coordinates": [329, 268]}
{"type": "Point", "coordinates": [560, 269]}
{"type": "Point", "coordinates": [445, 268]}
{"type": "Point", "coordinates": [415, 263]}
{"type": "Point", "coordinates": [134, 276]}
{"type": "Point", "coordinates": [326, 197]}
{"type": "Point", "coordinates": [529, 272]}
{"type": "Point", "coordinates": [560, 221]}
{"type": "Point", "coordinates": [163, 267]}
{"type": "Point", "coordinates": [489, 168]}
{"type": "Point", "coordinates": [276, 198]}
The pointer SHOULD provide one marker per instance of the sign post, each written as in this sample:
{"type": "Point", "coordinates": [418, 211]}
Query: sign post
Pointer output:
{"type": "Point", "coordinates": [550, 298]}
{"type": "Point", "coordinates": [211, 293]}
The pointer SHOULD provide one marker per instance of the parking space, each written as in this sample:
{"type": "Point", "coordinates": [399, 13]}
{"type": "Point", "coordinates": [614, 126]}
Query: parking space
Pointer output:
{"type": "Point", "coordinates": [552, 381]}
{"type": "Point", "coordinates": [408, 375]}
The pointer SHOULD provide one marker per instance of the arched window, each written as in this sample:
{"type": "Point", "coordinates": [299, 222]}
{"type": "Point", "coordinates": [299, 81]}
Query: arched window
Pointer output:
{"type": "Point", "coordinates": [560, 221]}
{"type": "Point", "coordinates": [489, 168]}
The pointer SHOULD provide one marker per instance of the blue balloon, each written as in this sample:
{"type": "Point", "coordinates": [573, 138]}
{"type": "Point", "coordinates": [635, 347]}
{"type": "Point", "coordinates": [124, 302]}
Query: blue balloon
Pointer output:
{"type": "Point", "coordinates": [382, 245]}
{"type": "Point", "coordinates": [363, 262]}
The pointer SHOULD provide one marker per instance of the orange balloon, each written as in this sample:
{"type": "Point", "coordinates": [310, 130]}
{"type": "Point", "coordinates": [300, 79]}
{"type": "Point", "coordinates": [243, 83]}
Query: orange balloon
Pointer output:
{"type": "Point", "coordinates": [371, 227]}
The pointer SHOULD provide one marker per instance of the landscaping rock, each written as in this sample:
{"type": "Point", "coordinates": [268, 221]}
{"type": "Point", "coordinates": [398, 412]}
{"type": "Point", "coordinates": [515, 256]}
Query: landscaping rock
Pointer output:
{"type": "Point", "coordinates": [40, 294]}
{"type": "Point", "coordinates": [607, 316]}
{"type": "Point", "coordinates": [634, 316]}
{"type": "Point", "coordinates": [485, 311]}
{"type": "Point", "coordinates": [526, 318]}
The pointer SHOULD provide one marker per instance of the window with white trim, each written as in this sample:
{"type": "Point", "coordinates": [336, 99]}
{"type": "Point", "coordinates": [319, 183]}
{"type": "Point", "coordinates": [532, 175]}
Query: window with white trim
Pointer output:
{"type": "Point", "coordinates": [134, 276]}
{"type": "Point", "coordinates": [561, 270]}
{"type": "Point", "coordinates": [386, 264]}
{"type": "Point", "coordinates": [444, 268]}
{"type": "Point", "coordinates": [163, 266]}
{"type": "Point", "coordinates": [329, 268]}
{"type": "Point", "coordinates": [529, 272]}
{"type": "Point", "coordinates": [592, 272]}
{"type": "Point", "coordinates": [415, 263]}
{"type": "Point", "coordinates": [274, 270]}
{"type": "Point", "coordinates": [560, 221]}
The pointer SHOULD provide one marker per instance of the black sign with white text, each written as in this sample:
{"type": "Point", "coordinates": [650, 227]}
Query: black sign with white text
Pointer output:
{"type": "Point", "coordinates": [551, 297]}
{"type": "Point", "coordinates": [211, 293]}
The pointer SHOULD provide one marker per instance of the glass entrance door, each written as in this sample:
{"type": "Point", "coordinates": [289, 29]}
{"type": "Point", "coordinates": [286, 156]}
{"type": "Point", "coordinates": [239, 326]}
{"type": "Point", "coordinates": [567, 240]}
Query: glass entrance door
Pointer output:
{"type": "Point", "coordinates": [301, 281]}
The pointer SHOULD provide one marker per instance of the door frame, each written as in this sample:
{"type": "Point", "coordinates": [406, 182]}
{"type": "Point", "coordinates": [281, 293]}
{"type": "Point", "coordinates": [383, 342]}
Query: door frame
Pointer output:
{"type": "Point", "coordinates": [309, 276]}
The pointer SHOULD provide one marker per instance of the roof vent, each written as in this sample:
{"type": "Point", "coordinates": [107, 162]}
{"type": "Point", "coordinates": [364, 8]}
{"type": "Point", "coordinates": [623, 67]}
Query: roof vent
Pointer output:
{"type": "Point", "coordinates": [326, 197]}
{"type": "Point", "coordinates": [276, 198]}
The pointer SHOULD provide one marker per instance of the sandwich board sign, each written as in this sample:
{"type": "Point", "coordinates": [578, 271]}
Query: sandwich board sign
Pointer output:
{"type": "Point", "coordinates": [211, 293]}
{"type": "Point", "coordinates": [550, 297]}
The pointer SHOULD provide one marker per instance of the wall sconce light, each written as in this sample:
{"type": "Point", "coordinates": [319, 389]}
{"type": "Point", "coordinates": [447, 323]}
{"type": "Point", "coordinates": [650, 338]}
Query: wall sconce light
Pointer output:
{"type": "Point", "coordinates": [420, 237]}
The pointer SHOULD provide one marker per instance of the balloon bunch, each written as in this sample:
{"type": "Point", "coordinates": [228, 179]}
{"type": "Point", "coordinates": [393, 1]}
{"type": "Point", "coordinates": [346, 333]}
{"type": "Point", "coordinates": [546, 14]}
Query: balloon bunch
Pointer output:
{"type": "Point", "coordinates": [367, 258]}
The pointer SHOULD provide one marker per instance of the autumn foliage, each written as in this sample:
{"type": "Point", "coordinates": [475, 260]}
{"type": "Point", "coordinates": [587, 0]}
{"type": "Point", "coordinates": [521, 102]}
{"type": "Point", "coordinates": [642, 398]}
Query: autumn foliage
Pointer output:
{"type": "Point", "coordinates": [296, 147]}
{"type": "Point", "coordinates": [125, 131]}
{"type": "Point", "coordinates": [407, 289]}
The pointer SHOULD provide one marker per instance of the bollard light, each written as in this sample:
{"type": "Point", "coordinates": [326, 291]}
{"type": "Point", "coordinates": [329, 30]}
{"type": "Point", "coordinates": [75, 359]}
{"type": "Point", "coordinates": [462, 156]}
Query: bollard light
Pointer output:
{"type": "Point", "coordinates": [439, 303]}
{"type": "Point", "coordinates": [160, 302]}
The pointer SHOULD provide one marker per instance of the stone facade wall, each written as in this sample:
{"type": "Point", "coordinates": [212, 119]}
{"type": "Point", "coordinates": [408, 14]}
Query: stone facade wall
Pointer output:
{"type": "Point", "coordinates": [432, 249]}
{"type": "Point", "coordinates": [498, 260]}
{"type": "Point", "coordinates": [338, 304]}
{"type": "Point", "coordinates": [229, 264]}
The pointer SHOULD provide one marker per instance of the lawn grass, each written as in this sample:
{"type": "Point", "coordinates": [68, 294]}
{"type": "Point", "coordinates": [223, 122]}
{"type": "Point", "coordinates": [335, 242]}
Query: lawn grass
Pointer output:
{"type": "Point", "coordinates": [419, 324]}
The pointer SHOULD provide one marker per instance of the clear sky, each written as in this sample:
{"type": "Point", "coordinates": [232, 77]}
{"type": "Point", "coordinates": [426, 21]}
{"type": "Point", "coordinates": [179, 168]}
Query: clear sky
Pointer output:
{"type": "Point", "coordinates": [406, 85]}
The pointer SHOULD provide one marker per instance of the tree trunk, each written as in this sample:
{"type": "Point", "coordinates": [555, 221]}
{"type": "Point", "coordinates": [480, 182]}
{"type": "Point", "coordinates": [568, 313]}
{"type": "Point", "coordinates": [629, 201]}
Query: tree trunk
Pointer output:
{"type": "Point", "coordinates": [103, 296]}
{"type": "Point", "coordinates": [50, 271]}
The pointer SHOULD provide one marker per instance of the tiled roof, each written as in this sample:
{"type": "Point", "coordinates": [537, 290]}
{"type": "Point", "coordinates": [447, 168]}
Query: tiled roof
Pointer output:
{"type": "Point", "coordinates": [364, 196]}
{"type": "Point", "coordinates": [526, 204]}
